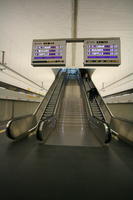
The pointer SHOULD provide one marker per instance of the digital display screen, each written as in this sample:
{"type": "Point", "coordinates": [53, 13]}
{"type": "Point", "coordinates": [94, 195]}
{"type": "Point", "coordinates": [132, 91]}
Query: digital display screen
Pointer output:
{"type": "Point", "coordinates": [49, 53]}
{"type": "Point", "coordinates": [102, 52]}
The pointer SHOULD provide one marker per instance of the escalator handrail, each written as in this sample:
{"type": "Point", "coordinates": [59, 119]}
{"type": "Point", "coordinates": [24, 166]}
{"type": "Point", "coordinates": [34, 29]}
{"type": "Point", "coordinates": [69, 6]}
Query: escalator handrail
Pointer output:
{"type": "Point", "coordinates": [36, 127]}
{"type": "Point", "coordinates": [31, 115]}
{"type": "Point", "coordinates": [53, 86]}
{"type": "Point", "coordinates": [85, 93]}
{"type": "Point", "coordinates": [111, 115]}
{"type": "Point", "coordinates": [51, 96]}
{"type": "Point", "coordinates": [106, 106]}
{"type": "Point", "coordinates": [107, 128]}
{"type": "Point", "coordinates": [58, 98]}
{"type": "Point", "coordinates": [100, 109]}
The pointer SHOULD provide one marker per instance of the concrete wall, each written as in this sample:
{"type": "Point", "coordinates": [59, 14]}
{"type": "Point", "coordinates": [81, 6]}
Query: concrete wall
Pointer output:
{"type": "Point", "coordinates": [21, 22]}
{"type": "Point", "coordinates": [105, 18]}
{"type": "Point", "coordinates": [19, 96]}
{"type": "Point", "coordinates": [6, 110]}
{"type": "Point", "coordinates": [126, 98]}
{"type": "Point", "coordinates": [122, 110]}
{"type": "Point", "coordinates": [10, 109]}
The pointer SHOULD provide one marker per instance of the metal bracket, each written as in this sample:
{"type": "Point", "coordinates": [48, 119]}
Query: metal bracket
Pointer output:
{"type": "Point", "coordinates": [3, 61]}
{"type": "Point", "coordinates": [2, 68]}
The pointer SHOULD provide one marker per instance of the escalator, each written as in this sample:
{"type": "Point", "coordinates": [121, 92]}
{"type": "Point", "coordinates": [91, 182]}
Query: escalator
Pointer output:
{"type": "Point", "coordinates": [68, 116]}
{"type": "Point", "coordinates": [72, 125]}
{"type": "Point", "coordinates": [65, 116]}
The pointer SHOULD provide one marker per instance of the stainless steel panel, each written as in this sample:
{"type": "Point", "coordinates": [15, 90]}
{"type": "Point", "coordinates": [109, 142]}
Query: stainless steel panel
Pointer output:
{"type": "Point", "coordinates": [123, 127]}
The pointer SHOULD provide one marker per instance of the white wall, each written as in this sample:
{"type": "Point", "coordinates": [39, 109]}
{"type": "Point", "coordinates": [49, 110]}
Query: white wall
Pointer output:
{"type": "Point", "coordinates": [21, 21]}
{"type": "Point", "coordinates": [13, 79]}
{"type": "Point", "coordinates": [105, 18]}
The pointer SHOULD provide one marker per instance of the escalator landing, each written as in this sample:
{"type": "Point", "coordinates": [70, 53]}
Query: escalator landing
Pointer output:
{"type": "Point", "coordinates": [73, 135]}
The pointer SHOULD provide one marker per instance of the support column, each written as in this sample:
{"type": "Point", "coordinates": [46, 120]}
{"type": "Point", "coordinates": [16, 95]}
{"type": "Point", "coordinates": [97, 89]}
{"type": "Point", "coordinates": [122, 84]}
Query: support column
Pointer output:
{"type": "Point", "coordinates": [74, 28]}
{"type": "Point", "coordinates": [3, 57]}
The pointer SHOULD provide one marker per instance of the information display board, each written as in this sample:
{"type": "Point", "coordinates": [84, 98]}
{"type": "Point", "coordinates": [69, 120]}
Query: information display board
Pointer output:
{"type": "Point", "coordinates": [102, 52]}
{"type": "Point", "coordinates": [48, 53]}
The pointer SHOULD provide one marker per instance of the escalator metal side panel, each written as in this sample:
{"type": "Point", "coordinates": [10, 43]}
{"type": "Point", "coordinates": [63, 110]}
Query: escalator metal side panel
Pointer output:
{"type": "Point", "coordinates": [85, 100]}
{"type": "Point", "coordinates": [44, 104]}
{"type": "Point", "coordinates": [103, 106]}
{"type": "Point", "coordinates": [100, 128]}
